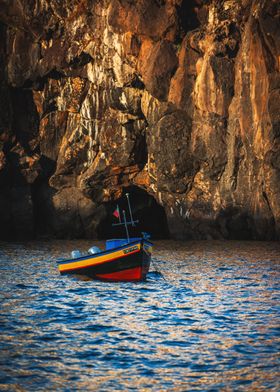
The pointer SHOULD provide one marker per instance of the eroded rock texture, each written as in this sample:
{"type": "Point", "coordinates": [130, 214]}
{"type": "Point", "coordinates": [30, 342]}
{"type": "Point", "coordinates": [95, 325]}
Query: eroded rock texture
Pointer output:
{"type": "Point", "coordinates": [174, 100]}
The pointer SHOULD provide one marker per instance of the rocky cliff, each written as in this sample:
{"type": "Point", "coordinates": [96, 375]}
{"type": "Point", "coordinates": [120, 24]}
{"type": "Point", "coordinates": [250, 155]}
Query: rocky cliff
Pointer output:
{"type": "Point", "coordinates": [176, 101]}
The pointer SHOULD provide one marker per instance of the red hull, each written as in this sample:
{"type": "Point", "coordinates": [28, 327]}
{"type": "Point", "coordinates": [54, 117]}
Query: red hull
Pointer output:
{"type": "Point", "coordinates": [129, 275]}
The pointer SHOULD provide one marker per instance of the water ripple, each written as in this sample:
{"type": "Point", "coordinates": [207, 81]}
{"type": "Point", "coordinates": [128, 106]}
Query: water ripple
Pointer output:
{"type": "Point", "coordinates": [207, 318]}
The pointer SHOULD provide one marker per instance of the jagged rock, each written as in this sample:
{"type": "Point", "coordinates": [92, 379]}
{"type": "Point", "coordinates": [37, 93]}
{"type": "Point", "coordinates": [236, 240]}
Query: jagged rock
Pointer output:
{"type": "Point", "coordinates": [175, 98]}
{"type": "Point", "coordinates": [152, 18]}
{"type": "Point", "coordinates": [182, 83]}
{"type": "Point", "coordinates": [170, 159]}
{"type": "Point", "coordinates": [157, 64]}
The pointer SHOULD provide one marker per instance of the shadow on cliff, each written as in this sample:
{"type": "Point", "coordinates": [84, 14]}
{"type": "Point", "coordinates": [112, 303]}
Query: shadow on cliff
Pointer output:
{"type": "Point", "coordinates": [22, 212]}
{"type": "Point", "coordinates": [231, 223]}
{"type": "Point", "coordinates": [192, 14]}
{"type": "Point", "coordinates": [17, 218]}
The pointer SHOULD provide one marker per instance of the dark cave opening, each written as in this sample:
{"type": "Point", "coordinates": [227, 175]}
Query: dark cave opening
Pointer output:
{"type": "Point", "coordinates": [145, 209]}
{"type": "Point", "coordinates": [188, 13]}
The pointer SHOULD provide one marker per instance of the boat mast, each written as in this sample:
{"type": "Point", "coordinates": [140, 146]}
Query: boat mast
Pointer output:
{"type": "Point", "coordinates": [126, 228]}
{"type": "Point", "coordinates": [129, 208]}
{"type": "Point", "coordinates": [125, 223]}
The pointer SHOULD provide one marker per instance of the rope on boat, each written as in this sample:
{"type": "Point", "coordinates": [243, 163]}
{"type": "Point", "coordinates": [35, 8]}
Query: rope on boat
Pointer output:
{"type": "Point", "coordinates": [156, 270]}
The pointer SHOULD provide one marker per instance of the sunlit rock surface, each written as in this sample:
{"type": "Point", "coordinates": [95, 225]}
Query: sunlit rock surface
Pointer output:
{"type": "Point", "coordinates": [179, 98]}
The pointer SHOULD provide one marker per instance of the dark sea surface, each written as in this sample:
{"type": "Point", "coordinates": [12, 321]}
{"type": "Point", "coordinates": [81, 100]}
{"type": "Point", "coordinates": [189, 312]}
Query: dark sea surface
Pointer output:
{"type": "Point", "coordinates": [206, 319]}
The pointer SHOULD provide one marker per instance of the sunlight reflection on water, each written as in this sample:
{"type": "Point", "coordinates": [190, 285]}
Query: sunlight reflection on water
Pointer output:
{"type": "Point", "coordinates": [208, 321]}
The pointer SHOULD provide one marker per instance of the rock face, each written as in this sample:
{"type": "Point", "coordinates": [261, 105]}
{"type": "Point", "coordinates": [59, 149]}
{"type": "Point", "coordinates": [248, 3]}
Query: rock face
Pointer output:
{"type": "Point", "coordinates": [176, 101]}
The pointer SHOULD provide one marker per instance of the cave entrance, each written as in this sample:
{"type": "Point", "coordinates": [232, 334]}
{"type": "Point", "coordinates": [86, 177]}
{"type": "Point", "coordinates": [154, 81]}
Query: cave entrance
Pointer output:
{"type": "Point", "coordinates": [188, 15]}
{"type": "Point", "coordinates": [151, 216]}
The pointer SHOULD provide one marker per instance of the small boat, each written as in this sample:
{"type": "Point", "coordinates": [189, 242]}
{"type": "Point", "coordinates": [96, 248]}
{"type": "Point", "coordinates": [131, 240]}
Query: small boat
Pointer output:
{"type": "Point", "coordinates": [123, 259]}
{"type": "Point", "coordinates": [125, 262]}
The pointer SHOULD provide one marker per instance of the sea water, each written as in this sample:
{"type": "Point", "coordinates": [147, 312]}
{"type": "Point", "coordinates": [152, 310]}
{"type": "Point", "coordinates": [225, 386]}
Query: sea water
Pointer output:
{"type": "Point", "coordinates": [206, 319]}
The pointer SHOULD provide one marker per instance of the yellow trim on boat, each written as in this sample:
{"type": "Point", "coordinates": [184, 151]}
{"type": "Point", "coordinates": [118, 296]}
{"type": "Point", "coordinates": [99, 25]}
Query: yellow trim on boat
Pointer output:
{"type": "Point", "coordinates": [97, 260]}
